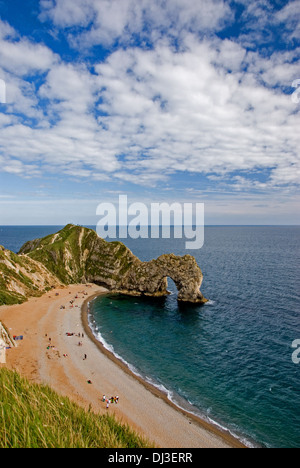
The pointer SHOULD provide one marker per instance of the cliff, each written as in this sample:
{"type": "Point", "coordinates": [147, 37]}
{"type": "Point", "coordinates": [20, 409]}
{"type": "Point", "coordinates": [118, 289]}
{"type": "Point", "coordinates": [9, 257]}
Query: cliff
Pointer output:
{"type": "Point", "coordinates": [22, 277]}
{"type": "Point", "coordinates": [77, 255]}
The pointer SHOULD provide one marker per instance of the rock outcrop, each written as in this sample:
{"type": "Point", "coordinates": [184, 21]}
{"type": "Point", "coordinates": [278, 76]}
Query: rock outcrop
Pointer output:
{"type": "Point", "coordinates": [150, 278]}
{"type": "Point", "coordinates": [5, 342]}
{"type": "Point", "coordinates": [78, 255]}
{"type": "Point", "coordinates": [5, 338]}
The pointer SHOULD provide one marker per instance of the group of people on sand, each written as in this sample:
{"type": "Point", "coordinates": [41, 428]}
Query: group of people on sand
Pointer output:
{"type": "Point", "coordinates": [108, 401]}
{"type": "Point", "coordinates": [83, 294]}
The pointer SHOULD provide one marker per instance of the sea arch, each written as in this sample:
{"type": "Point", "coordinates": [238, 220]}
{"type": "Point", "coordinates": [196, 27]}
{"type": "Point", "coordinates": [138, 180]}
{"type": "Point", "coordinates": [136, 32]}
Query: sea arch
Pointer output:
{"type": "Point", "coordinates": [151, 278]}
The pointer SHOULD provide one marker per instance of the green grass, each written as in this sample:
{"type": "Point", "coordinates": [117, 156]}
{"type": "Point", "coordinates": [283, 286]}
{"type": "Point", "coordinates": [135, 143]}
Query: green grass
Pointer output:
{"type": "Point", "coordinates": [34, 416]}
{"type": "Point", "coordinates": [10, 298]}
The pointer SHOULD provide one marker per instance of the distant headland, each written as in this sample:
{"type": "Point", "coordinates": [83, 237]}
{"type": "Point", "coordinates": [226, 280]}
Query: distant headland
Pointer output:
{"type": "Point", "coordinates": [78, 255]}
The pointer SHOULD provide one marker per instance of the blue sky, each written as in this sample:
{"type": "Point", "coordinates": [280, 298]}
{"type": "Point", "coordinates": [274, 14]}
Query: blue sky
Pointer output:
{"type": "Point", "coordinates": [161, 100]}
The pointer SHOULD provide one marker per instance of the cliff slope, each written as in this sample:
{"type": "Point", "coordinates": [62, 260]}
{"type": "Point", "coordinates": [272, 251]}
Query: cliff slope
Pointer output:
{"type": "Point", "coordinates": [22, 277]}
{"type": "Point", "coordinates": [78, 255]}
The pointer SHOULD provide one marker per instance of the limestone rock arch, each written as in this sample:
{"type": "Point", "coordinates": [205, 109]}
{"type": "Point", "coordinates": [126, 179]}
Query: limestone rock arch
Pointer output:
{"type": "Point", "coordinates": [150, 278]}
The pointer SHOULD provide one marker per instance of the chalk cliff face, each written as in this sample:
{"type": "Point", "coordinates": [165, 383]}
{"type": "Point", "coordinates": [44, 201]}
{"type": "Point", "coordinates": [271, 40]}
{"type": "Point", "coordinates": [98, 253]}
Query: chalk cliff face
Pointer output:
{"type": "Point", "coordinates": [78, 255]}
{"type": "Point", "coordinates": [5, 339]}
{"type": "Point", "coordinates": [22, 277]}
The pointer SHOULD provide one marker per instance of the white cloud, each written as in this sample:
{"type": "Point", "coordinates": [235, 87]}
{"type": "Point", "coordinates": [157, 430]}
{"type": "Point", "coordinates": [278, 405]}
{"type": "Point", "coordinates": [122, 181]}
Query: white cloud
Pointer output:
{"type": "Point", "coordinates": [108, 21]}
{"type": "Point", "coordinates": [289, 15]}
{"type": "Point", "coordinates": [21, 56]}
{"type": "Point", "coordinates": [279, 70]}
{"type": "Point", "coordinates": [6, 31]}
{"type": "Point", "coordinates": [70, 86]}
{"type": "Point", "coordinates": [183, 111]}
{"type": "Point", "coordinates": [68, 12]}
{"type": "Point", "coordinates": [142, 115]}
{"type": "Point", "coordinates": [111, 20]}
{"type": "Point", "coordinates": [266, 20]}
{"type": "Point", "coordinates": [21, 60]}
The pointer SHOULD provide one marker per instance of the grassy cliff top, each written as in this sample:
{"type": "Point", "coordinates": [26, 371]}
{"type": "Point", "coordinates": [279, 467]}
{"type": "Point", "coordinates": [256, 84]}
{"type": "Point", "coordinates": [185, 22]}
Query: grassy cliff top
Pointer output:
{"type": "Point", "coordinates": [34, 416]}
{"type": "Point", "coordinates": [77, 255]}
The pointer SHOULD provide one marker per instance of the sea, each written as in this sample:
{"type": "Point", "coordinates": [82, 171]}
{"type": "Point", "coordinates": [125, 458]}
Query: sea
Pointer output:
{"type": "Point", "coordinates": [230, 361]}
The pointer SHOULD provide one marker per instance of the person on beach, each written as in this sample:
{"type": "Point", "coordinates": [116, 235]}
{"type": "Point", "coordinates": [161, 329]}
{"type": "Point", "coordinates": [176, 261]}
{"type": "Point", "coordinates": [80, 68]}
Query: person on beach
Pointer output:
{"type": "Point", "coordinates": [107, 404]}
{"type": "Point", "coordinates": [104, 398]}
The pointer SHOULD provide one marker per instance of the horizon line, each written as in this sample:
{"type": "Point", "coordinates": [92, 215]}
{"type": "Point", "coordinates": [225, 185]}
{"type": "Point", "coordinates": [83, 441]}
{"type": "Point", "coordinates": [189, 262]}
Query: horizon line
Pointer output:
{"type": "Point", "coordinates": [160, 225]}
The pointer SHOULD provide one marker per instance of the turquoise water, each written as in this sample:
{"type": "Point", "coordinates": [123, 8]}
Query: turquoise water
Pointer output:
{"type": "Point", "coordinates": [231, 359]}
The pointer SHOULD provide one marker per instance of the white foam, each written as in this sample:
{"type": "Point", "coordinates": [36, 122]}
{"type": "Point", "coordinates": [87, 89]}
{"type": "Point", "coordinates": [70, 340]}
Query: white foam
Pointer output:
{"type": "Point", "coordinates": [110, 347]}
{"type": "Point", "coordinates": [210, 303]}
{"type": "Point", "coordinates": [170, 395]}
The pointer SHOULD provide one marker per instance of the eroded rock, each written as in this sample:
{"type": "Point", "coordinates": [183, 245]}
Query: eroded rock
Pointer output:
{"type": "Point", "coordinates": [78, 255]}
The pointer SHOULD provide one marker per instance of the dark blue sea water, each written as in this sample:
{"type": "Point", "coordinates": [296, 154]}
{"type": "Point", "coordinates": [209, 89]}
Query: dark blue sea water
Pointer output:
{"type": "Point", "coordinates": [230, 360]}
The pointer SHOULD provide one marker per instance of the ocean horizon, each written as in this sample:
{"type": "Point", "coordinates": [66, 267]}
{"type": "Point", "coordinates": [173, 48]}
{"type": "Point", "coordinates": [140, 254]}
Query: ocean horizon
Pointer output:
{"type": "Point", "coordinates": [229, 361]}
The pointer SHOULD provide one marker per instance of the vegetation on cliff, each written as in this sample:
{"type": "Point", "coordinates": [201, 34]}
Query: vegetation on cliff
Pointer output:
{"type": "Point", "coordinates": [22, 277]}
{"type": "Point", "coordinates": [29, 415]}
{"type": "Point", "coordinates": [77, 255]}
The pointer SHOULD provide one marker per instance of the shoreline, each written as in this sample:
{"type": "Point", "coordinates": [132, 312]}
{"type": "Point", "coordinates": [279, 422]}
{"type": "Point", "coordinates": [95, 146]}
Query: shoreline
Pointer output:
{"type": "Point", "coordinates": [229, 438]}
{"type": "Point", "coordinates": [145, 408]}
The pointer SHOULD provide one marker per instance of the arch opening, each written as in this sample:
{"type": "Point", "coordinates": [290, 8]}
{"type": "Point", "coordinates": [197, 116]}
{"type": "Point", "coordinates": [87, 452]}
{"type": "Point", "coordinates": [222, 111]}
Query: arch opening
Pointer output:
{"type": "Point", "coordinates": [171, 286]}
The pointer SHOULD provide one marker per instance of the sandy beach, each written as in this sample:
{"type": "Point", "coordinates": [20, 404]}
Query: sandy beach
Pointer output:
{"type": "Point", "coordinates": [48, 355]}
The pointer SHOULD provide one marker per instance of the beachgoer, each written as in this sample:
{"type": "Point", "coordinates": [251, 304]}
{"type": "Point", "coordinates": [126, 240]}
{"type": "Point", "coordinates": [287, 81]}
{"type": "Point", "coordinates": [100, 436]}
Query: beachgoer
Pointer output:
{"type": "Point", "coordinates": [103, 398]}
{"type": "Point", "coordinates": [107, 404]}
